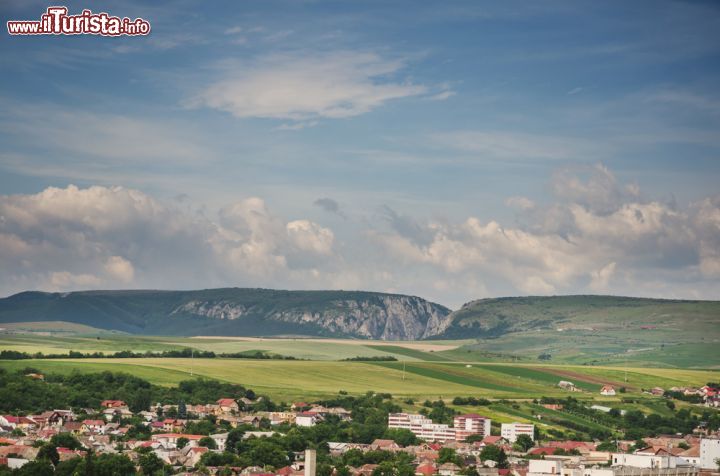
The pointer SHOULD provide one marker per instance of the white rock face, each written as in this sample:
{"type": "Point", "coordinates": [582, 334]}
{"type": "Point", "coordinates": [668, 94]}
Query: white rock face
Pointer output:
{"type": "Point", "coordinates": [386, 317]}
{"type": "Point", "coordinates": [214, 310]}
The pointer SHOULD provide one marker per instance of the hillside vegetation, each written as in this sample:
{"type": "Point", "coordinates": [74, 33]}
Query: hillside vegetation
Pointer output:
{"type": "Point", "coordinates": [597, 330]}
{"type": "Point", "coordinates": [235, 311]}
{"type": "Point", "coordinates": [593, 329]}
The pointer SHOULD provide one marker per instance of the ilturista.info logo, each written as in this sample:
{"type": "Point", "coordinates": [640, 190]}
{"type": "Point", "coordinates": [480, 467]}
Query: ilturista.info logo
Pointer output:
{"type": "Point", "coordinates": [56, 21]}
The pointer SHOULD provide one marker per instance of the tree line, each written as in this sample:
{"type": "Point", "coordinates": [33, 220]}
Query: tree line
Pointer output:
{"type": "Point", "coordinates": [128, 354]}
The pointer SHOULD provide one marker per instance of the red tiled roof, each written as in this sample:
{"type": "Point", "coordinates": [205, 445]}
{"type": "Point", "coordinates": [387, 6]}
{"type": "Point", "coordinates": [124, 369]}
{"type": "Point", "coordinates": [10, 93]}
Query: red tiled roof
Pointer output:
{"type": "Point", "coordinates": [427, 469]}
{"type": "Point", "coordinates": [544, 450]}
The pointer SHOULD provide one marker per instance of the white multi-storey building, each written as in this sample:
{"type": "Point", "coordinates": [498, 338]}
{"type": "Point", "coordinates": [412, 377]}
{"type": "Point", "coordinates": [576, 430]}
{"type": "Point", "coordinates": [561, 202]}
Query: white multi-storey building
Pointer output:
{"type": "Point", "coordinates": [511, 431]}
{"type": "Point", "coordinates": [709, 453]}
{"type": "Point", "coordinates": [423, 427]}
{"type": "Point", "coordinates": [471, 424]}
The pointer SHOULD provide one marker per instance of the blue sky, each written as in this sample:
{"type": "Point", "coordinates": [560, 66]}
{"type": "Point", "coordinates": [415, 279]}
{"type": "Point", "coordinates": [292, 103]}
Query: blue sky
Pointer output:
{"type": "Point", "coordinates": [452, 150]}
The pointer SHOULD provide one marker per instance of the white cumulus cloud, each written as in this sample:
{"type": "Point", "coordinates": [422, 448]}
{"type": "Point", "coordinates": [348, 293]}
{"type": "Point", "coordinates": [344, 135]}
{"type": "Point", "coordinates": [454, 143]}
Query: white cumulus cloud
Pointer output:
{"type": "Point", "coordinates": [308, 86]}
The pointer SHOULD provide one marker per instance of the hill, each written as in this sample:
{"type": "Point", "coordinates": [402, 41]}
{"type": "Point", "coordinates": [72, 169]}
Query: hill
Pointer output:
{"type": "Point", "coordinates": [499, 316]}
{"type": "Point", "coordinates": [593, 329]}
{"type": "Point", "coordinates": [235, 312]}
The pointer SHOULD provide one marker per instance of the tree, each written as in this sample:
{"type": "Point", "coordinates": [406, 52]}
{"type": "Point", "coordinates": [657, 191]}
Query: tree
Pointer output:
{"type": "Point", "coordinates": [207, 442]}
{"type": "Point", "coordinates": [469, 471]}
{"type": "Point", "coordinates": [182, 410]}
{"type": "Point", "coordinates": [448, 455]}
{"type": "Point", "coordinates": [104, 464]}
{"type": "Point", "coordinates": [607, 446]}
{"type": "Point", "coordinates": [182, 442]}
{"type": "Point", "coordinates": [149, 463]}
{"type": "Point", "coordinates": [234, 437]}
{"type": "Point", "coordinates": [524, 442]}
{"type": "Point", "coordinates": [40, 467]}
{"type": "Point", "coordinates": [474, 438]}
{"type": "Point", "coordinates": [385, 468]}
{"type": "Point", "coordinates": [494, 453]}
{"type": "Point", "coordinates": [140, 401]}
{"type": "Point", "coordinates": [48, 452]}
{"type": "Point", "coordinates": [401, 436]}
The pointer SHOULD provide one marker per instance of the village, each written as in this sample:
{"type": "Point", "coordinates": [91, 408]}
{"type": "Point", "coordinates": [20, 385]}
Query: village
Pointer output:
{"type": "Point", "coordinates": [470, 445]}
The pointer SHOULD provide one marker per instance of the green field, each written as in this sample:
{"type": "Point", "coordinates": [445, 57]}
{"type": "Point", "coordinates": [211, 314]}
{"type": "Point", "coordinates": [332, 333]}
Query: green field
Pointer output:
{"type": "Point", "coordinates": [309, 349]}
{"type": "Point", "coordinates": [428, 369]}
{"type": "Point", "coordinates": [305, 379]}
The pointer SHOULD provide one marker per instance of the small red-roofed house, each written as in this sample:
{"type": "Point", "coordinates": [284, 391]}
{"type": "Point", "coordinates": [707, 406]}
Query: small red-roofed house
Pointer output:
{"type": "Point", "coordinates": [607, 390]}
{"type": "Point", "coordinates": [426, 469]}
{"type": "Point", "coordinates": [543, 450]}
{"type": "Point", "coordinates": [228, 405]}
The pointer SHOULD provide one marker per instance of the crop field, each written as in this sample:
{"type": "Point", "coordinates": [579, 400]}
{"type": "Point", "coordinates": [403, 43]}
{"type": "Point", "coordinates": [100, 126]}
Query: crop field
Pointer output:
{"type": "Point", "coordinates": [282, 379]}
{"type": "Point", "coordinates": [299, 348]}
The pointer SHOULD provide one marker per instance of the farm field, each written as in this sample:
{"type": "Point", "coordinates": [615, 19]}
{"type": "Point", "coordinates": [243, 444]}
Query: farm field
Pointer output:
{"type": "Point", "coordinates": [299, 348]}
{"type": "Point", "coordinates": [283, 379]}
{"type": "Point", "coordinates": [602, 347]}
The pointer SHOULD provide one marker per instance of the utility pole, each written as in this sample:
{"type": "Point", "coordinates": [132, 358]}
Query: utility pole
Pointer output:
{"type": "Point", "coordinates": [403, 370]}
{"type": "Point", "coordinates": [192, 359]}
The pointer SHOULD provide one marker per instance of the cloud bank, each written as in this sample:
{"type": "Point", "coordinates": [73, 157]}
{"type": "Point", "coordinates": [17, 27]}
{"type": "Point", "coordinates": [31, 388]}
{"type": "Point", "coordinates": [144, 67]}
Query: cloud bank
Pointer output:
{"type": "Point", "coordinates": [599, 236]}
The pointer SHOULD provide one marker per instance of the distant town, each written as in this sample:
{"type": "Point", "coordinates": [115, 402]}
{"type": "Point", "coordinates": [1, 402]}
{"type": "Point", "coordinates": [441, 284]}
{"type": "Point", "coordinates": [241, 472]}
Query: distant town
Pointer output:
{"type": "Point", "coordinates": [365, 435]}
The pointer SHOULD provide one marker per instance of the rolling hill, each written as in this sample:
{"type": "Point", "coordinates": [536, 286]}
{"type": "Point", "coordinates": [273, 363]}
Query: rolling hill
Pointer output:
{"type": "Point", "coordinates": [578, 329]}
{"type": "Point", "coordinates": [236, 312]}
{"type": "Point", "coordinates": [605, 330]}
{"type": "Point", "coordinates": [487, 318]}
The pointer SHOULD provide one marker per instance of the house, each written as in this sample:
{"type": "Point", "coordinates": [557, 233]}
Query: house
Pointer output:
{"type": "Point", "coordinates": [657, 391]}
{"type": "Point", "coordinates": [566, 385]}
{"type": "Point", "coordinates": [307, 419]}
{"type": "Point", "coordinates": [543, 450]}
{"type": "Point", "coordinates": [157, 426]}
{"type": "Point", "coordinates": [220, 439]}
{"type": "Point", "coordinates": [386, 445]}
{"type": "Point", "coordinates": [228, 405]}
{"type": "Point", "coordinates": [20, 422]}
{"type": "Point", "coordinates": [193, 454]}
{"type": "Point", "coordinates": [427, 469]}
{"type": "Point", "coordinates": [659, 461]}
{"type": "Point", "coordinates": [50, 418]}
{"type": "Point", "coordinates": [111, 413]}
{"type": "Point", "coordinates": [278, 418]}
{"type": "Point", "coordinates": [66, 453]}
{"type": "Point", "coordinates": [607, 390]}
{"type": "Point", "coordinates": [491, 440]}
{"type": "Point", "coordinates": [690, 457]}
{"type": "Point", "coordinates": [73, 427]}
{"type": "Point", "coordinates": [553, 406]}
{"type": "Point", "coordinates": [172, 424]}
{"type": "Point", "coordinates": [22, 451]}
{"type": "Point", "coordinates": [299, 406]}
{"type": "Point", "coordinates": [92, 426]}
{"type": "Point", "coordinates": [169, 440]}
{"type": "Point", "coordinates": [448, 469]}
{"type": "Point", "coordinates": [365, 470]}
{"type": "Point", "coordinates": [35, 376]}
{"type": "Point", "coordinates": [112, 404]}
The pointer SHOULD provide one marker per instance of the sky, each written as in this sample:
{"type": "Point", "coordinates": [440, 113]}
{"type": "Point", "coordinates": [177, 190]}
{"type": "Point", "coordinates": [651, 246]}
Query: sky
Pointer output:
{"type": "Point", "coordinates": [450, 150]}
